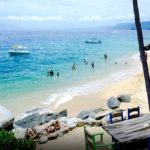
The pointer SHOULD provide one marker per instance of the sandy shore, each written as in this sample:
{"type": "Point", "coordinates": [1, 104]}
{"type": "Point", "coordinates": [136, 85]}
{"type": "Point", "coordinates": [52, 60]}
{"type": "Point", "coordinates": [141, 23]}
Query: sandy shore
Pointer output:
{"type": "Point", "coordinates": [75, 139]}
{"type": "Point", "coordinates": [134, 86]}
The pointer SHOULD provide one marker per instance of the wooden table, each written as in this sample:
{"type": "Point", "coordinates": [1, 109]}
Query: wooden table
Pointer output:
{"type": "Point", "coordinates": [130, 131]}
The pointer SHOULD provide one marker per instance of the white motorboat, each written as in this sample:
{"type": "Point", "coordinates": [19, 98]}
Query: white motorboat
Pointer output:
{"type": "Point", "coordinates": [93, 41]}
{"type": "Point", "coordinates": [18, 50]}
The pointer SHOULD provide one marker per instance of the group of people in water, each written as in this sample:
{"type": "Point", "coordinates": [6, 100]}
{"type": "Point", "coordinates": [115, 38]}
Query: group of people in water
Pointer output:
{"type": "Point", "coordinates": [51, 72]}
{"type": "Point", "coordinates": [86, 62]}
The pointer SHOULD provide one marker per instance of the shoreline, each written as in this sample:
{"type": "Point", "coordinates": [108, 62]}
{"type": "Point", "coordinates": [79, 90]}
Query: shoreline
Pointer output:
{"type": "Point", "coordinates": [87, 99]}
{"type": "Point", "coordinates": [133, 86]}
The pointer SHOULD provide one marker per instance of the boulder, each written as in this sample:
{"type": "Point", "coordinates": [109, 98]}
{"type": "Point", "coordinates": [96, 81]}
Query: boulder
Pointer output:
{"type": "Point", "coordinates": [62, 113]}
{"type": "Point", "coordinates": [6, 118]}
{"type": "Point", "coordinates": [91, 121]}
{"type": "Point", "coordinates": [124, 98]}
{"type": "Point", "coordinates": [92, 115]}
{"type": "Point", "coordinates": [20, 133]}
{"type": "Point", "coordinates": [43, 139]}
{"type": "Point", "coordinates": [52, 136]}
{"type": "Point", "coordinates": [60, 134]}
{"type": "Point", "coordinates": [86, 113]}
{"type": "Point", "coordinates": [83, 114]}
{"type": "Point", "coordinates": [34, 117]}
{"type": "Point", "coordinates": [113, 103]}
{"type": "Point", "coordinates": [101, 114]}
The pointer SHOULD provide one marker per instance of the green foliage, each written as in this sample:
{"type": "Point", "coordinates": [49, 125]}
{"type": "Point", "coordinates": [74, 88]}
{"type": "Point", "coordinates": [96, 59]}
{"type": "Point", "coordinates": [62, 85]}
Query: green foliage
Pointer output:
{"type": "Point", "coordinates": [9, 142]}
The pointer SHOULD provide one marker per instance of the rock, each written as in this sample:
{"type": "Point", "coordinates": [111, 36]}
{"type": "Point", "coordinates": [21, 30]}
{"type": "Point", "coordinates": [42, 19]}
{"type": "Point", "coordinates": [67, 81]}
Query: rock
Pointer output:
{"type": "Point", "coordinates": [52, 136]}
{"type": "Point", "coordinates": [92, 115]}
{"type": "Point", "coordinates": [64, 130]}
{"type": "Point", "coordinates": [20, 133]}
{"type": "Point", "coordinates": [71, 122]}
{"type": "Point", "coordinates": [101, 114]}
{"type": "Point", "coordinates": [62, 113]}
{"type": "Point", "coordinates": [60, 134]}
{"type": "Point", "coordinates": [6, 118]}
{"type": "Point", "coordinates": [113, 103]}
{"type": "Point", "coordinates": [83, 114]}
{"type": "Point", "coordinates": [124, 98]}
{"type": "Point", "coordinates": [35, 117]}
{"type": "Point", "coordinates": [80, 124]}
{"type": "Point", "coordinates": [86, 113]}
{"type": "Point", "coordinates": [43, 139]}
{"type": "Point", "coordinates": [91, 121]}
{"type": "Point", "coordinates": [103, 122]}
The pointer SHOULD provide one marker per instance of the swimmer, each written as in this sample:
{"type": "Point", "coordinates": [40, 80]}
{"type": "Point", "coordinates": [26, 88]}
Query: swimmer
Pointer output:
{"type": "Point", "coordinates": [115, 62]}
{"type": "Point", "coordinates": [126, 62]}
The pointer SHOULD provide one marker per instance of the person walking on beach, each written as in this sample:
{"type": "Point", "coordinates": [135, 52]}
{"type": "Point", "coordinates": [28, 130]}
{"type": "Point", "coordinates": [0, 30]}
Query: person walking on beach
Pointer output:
{"type": "Point", "coordinates": [92, 64]}
{"type": "Point", "coordinates": [105, 56]}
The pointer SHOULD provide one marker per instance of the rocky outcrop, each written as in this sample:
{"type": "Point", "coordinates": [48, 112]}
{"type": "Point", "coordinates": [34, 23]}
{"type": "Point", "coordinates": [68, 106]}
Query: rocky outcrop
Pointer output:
{"type": "Point", "coordinates": [113, 103]}
{"type": "Point", "coordinates": [124, 98]}
{"type": "Point", "coordinates": [37, 116]}
{"type": "Point", "coordinates": [6, 118]}
{"type": "Point", "coordinates": [102, 114]}
{"type": "Point", "coordinates": [88, 113]}
{"type": "Point", "coordinates": [62, 113]}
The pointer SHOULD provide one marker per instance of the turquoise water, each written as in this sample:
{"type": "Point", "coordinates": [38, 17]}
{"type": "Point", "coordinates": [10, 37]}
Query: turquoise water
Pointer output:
{"type": "Point", "coordinates": [58, 50]}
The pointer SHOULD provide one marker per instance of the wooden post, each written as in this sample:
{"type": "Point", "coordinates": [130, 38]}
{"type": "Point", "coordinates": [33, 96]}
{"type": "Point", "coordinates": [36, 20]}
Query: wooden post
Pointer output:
{"type": "Point", "coordinates": [141, 48]}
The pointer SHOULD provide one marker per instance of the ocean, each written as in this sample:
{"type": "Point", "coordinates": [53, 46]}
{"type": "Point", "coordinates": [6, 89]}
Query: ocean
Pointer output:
{"type": "Point", "coordinates": [24, 77]}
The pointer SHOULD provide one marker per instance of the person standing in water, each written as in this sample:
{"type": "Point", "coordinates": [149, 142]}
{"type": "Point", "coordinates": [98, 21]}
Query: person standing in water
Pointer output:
{"type": "Point", "coordinates": [57, 74]}
{"type": "Point", "coordinates": [92, 64]}
{"type": "Point", "coordinates": [51, 73]}
{"type": "Point", "coordinates": [85, 61]}
{"type": "Point", "coordinates": [105, 56]}
{"type": "Point", "coordinates": [74, 66]}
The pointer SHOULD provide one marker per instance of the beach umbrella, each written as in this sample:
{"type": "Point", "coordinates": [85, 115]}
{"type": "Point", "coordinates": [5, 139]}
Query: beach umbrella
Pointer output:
{"type": "Point", "coordinates": [141, 48]}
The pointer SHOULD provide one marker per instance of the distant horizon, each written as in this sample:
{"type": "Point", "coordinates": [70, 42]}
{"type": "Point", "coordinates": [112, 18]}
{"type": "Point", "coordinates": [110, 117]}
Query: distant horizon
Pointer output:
{"type": "Point", "coordinates": [65, 14]}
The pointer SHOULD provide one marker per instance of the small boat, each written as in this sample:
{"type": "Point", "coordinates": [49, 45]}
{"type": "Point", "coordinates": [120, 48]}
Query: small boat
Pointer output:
{"type": "Point", "coordinates": [93, 41]}
{"type": "Point", "coordinates": [18, 50]}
